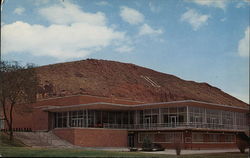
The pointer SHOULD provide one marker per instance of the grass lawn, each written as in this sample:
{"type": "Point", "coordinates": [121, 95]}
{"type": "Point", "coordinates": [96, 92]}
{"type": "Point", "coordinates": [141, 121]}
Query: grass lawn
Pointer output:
{"type": "Point", "coordinates": [18, 149]}
{"type": "Point", "coordinates": [41, 152]}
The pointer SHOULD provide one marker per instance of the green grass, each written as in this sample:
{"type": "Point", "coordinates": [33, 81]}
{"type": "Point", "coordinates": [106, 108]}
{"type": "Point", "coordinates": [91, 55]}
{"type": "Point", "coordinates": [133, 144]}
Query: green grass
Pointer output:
{"type": "Point", "coordinates": [18, 149]}
{"type": "Point", "coordinates": [42, 152]}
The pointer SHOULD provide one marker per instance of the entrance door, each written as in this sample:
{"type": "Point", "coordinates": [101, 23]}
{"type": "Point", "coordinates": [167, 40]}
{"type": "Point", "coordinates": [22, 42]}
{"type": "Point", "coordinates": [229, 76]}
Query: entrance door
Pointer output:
{"type": "Point", "coordinates": [173, 121]}
{"type": "Point", "coordinates": [131, 142]}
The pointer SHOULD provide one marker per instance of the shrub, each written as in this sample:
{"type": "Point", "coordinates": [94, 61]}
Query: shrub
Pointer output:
{"type": "Point", "coordinates": [158, 147]}
{"type": "Point", "coordinates": [242, 145]}
{"type": "Point", "coordinates": [147, 144]}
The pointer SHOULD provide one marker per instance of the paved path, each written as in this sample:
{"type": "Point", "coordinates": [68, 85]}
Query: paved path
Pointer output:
{"type": "Point", "coordinates": [170, 151]}
{"type": "Point", "coordinates": [42, 139]}
{"type": "Point", "coordinates": [185, 152]}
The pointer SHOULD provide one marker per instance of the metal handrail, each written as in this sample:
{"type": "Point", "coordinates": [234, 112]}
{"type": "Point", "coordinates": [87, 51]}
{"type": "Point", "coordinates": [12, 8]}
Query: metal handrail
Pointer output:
{"type": "Point", "coordinates": [176, 125]}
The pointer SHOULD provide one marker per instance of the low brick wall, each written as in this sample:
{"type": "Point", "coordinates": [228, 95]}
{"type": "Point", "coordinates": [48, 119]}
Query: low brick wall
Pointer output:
{"type": "Point", "coordinates": [65, 134]}
{"type": "Point", "coordinates": [93, 137]}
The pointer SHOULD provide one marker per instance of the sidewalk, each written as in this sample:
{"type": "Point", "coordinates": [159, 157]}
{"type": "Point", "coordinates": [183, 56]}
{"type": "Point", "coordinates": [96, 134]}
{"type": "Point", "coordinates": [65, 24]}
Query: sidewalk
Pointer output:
{"type": "Point", "coordinates": [186, 152]}
{"type": "Point", "coordinates": [168, 151]}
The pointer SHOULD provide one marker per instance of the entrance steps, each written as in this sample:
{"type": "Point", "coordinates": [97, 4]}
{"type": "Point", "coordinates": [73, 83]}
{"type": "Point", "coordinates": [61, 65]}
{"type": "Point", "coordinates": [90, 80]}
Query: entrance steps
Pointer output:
{"type": "Point", "coordinates": [42, 139]}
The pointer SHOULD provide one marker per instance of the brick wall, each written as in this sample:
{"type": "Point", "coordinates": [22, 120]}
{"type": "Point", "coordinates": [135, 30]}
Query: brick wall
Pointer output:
{"type": "Point", "coordinates": [65, 134]}
{"type": "Point", "coordinates": [21, 119]}
{"type": "Point", "coordinates": [87, 137]}
{"type": "Point", "coordinates": [40, 120]}
{"type": "Point", "coordinates": [187, 142]}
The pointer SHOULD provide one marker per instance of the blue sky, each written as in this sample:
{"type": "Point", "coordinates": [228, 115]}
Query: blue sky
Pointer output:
{"type": "Point", "coordinates": [199, 40]}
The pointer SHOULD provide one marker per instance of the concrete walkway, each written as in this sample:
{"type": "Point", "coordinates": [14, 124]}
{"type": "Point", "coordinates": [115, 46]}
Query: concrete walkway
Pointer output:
{"type": "Point", "coordinates": [49, 140]}
{"type": "Point", "coordinates": [168, 151]}
{"type": "Point", "coordinates": [186, 152]}
{"type": "Point", "coordinates": [42, 139]}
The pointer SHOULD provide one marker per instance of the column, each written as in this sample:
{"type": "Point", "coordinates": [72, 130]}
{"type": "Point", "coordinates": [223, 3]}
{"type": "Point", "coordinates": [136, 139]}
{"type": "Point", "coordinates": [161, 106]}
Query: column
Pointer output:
{"type": "Point", "coordinates": [68, 119]}
{"type": "Point", "coordinates": [87, 118]}
{"type": "Point", "coordinates": [187, 115]}
{"type": "Point", "coordinates": [159, 116]}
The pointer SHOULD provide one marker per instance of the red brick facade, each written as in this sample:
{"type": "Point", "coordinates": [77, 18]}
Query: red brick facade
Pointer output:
{"type": "Point", "coordinates": [87, 137]}
{"type": "Point", "coordinates": [41, 119]}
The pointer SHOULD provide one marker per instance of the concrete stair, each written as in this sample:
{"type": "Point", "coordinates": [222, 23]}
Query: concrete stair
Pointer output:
{"type": "Point", "coordinates": [42, 139]}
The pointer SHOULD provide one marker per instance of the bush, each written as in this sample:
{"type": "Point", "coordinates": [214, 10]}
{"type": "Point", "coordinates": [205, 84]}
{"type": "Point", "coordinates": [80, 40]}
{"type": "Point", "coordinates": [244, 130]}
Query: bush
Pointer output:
{"type": "Point", "coordinates": [242, 145]}
{"type": "Point", "coordinates": [147, 144]}
{"type": "Point", "coordinates": [158, 147]}
{"type": "Point", "coordinates": [133, 149]}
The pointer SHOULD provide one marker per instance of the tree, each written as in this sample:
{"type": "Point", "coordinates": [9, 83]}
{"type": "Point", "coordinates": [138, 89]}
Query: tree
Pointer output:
{"type": "Point", "coordinates": [18, 86]}
{"type": "Point", "coordinates": [147, 144]}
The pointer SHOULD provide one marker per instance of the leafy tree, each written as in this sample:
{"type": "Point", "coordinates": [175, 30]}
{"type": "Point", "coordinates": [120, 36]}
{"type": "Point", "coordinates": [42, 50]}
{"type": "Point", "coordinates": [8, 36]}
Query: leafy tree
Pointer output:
{"type": "Point", "coordinates": [147, 144]}
{"type": "Point", "coordinates": [18, 86]}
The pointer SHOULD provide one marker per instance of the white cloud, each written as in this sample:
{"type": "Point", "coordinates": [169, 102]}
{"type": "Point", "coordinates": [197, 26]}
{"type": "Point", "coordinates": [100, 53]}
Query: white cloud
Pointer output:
{"type": "Point", "coordinates": [243, 46]}
{"type": "Point", "coordinates": [59, 41]}
{"type": "Point", "coordinates": [240, 5]}
{"type": "Point", "coordinates": [211, 3]}
{"type": "Point", "coordinates": [39, 2]}
{"type": "Point", "coordinates": [124, 49]}
{"type": "Point", "coordinates": [147, 30]}
{"type": "Point", "coordinates": [67, 13]}
{"type": "Point", "coordinates": [153, 8]}
{"type": "Point", "coordinates": [223, 19]}
{"type": "Point", "coordinates": [73, 34]}
{"type": "Point", "coordinates": [19, 10]}
{"type": "Point", "coordinates": [102, 3]}
{"type": "Point", "coordinates": [195, 19]}
{"type": "Point", "coordinates": [131, 16]}
{"type": "Point", "coordinates": [243, 4]}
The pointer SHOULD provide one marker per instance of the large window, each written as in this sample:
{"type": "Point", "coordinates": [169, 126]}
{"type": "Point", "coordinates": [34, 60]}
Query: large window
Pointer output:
{"type": "Point", "coordinates": [229, 138]}
{"type": "Point", "coordinates": [167, 117]}
{"type": "Point", "coordinates": [92, 118]}
{"type": "Point", "coordinates": [227, 119]}
{"type": "Point", "coordinates": [73, 119]}
{"type": "Point", "coordinates": [213, 118]}
{"type": "Point", "coordinates": [174, 116]}
{"type": "Point", "coordinates": [172, 137]}
{"type": "Point", "coordinates": [212, 138]}
{"type": "Point", "coordinates": [240, 120]}
{"type": "Point", "coordinates": [143, 136]}
{"type": "Point", "coordinates": [197, 116]}
{"type": "Point", "coordinates": [164, 137]}
{"type": "Point", "coordinates": [197, 137]}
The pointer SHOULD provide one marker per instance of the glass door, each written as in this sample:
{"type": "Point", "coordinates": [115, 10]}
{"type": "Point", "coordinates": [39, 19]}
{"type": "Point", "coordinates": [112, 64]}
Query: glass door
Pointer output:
{"type": "Point", "coordinates": [131, 140]}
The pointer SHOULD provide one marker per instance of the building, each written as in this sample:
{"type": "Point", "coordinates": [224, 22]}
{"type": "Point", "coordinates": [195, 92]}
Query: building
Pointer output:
{"type": "Point", "coordinates": [92, 121]}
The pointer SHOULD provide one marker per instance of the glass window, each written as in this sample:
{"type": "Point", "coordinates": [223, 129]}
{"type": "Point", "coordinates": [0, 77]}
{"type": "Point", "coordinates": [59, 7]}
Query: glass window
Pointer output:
{"type": "Point", "coordinates": [143, 136]}
{"type": "Point", "coordinates": [197, 137]}
{"type": "Point", "coordinates": [229, 138]}
{"type": "Point", "coordinates": [182, 109]}
{"type": "Point", "coordinates": [213, 137]}
{"type": "Point", "coordinates": [172, 137]}
{"type": "Point", "coordinates": [173, 110]}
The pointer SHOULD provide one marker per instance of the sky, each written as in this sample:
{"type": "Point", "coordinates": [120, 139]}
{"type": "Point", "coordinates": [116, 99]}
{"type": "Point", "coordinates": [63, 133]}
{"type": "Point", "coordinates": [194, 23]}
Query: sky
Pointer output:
{"type": "Point", "coordinates": [198, 40]}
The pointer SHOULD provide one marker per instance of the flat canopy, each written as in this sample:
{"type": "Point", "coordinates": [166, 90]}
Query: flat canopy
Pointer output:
{"type": "Point", "coordinates": [125, 107]}
{"type": "Point", "coordinates": [95, 106]}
